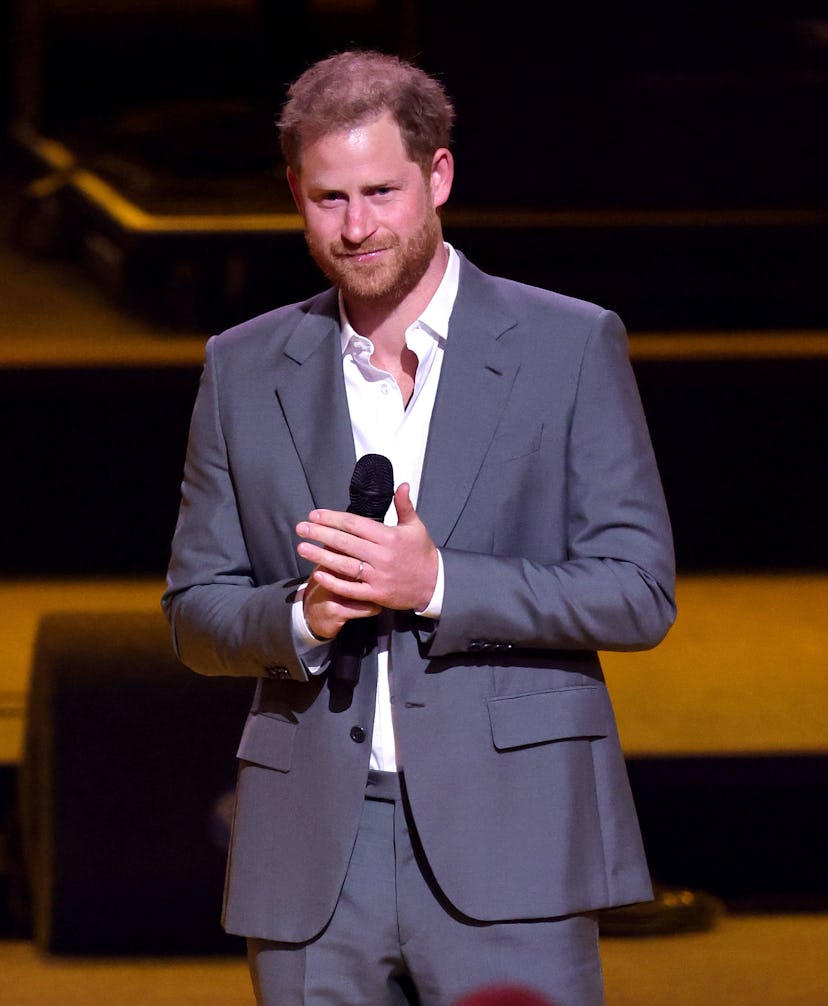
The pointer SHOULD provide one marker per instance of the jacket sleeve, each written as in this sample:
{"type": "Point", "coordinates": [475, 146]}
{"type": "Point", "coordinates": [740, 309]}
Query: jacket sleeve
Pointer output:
{"type": "Point", "coordinates": [222, 621]}
{"type": "Point", "coordinates": [614, 589]}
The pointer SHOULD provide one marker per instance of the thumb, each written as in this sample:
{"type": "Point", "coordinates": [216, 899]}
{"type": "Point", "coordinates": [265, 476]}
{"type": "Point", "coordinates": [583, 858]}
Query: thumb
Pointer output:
{"type": "Point", "coordinates": [406, 514]}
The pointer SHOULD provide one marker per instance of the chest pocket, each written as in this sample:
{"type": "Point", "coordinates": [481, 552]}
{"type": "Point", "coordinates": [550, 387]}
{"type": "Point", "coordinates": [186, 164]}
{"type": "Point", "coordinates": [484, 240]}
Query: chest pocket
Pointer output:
{"type": "Point", "coordinates": [514, 443]}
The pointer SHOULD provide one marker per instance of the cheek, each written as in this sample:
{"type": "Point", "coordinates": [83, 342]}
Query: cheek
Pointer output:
{"type": "Point", "coordinates": [313, 226]}
{"type": "Point", "coordinates": [320, 226]}
{"type": "Point", "coordinates": [408, 219]}
{"type": "Point", "coordinates": [320, 239]}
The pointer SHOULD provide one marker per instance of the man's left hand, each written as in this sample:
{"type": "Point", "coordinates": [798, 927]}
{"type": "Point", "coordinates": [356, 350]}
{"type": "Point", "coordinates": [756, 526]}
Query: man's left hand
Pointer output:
{"type": "Point", "coordinates": [360, 558]}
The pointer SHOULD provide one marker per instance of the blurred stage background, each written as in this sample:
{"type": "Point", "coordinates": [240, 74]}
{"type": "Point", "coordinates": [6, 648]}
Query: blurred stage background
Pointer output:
{"type": "Point", "coordinates": [667, 161]}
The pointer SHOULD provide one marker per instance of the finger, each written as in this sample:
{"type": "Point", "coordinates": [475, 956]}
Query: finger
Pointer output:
{"type": "Point", "coordinates": [344, 608]}
{"type": "Point", "coordinates": [341, 563]}
{"type": "Point", "coordinates": [358, 609]}
{"type": "Point", "coordinates": [403, 505]}
{"type": "Point", "coordinates": [325, 612]}
{"type": "Point", "coordinates": [322, 542]}
{"type": "Point", "coordinates": [346, 586]}
{"type": "Point", "coordinates": [337, 521]}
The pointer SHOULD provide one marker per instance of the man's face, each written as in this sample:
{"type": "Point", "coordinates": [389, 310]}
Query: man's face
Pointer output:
{"type": "Point", "coordinates": [370, 212]}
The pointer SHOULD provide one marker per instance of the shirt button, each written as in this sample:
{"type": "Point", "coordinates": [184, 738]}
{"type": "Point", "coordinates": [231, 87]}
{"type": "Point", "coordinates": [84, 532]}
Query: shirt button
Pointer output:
{"type": "Point", "coordinates": [384, 389]}
{"type": "Point", "coordinates": [357, 735]}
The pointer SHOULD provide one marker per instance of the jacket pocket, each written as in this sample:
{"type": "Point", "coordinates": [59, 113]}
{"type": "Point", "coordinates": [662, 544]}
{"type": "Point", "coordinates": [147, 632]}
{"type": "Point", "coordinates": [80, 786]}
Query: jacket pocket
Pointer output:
{"type": "Point", "coordinates": [542, 717]}
{"type": "Point", "coordinates": [514, 443]}
{"type": "Point", "coordinates": [268, 741]}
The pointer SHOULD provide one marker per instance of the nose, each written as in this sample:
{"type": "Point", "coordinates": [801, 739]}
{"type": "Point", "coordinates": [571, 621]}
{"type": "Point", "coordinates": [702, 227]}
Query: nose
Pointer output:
{"type": "Point", "coordinates": [358, 223]}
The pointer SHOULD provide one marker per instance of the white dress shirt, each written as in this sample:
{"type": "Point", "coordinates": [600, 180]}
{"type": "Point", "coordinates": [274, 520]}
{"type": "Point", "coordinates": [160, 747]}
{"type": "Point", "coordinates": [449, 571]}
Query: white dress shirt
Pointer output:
{"type": "Point", "coordinates": [382, 424]}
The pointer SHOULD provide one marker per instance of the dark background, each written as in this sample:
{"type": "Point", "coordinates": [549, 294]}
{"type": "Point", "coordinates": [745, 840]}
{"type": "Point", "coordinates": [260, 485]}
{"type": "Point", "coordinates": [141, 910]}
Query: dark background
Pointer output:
{"type": "Point", "coordinates": [664, 160]}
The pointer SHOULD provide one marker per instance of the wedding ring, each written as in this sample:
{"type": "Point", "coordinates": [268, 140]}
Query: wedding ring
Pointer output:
{"type": "Point", "coordinates": [359, 572]}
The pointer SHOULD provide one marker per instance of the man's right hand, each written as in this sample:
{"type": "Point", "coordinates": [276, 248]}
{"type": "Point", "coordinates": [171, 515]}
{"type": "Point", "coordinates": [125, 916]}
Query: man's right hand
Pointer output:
{"type": "Point", "coordinates": [326, 612]}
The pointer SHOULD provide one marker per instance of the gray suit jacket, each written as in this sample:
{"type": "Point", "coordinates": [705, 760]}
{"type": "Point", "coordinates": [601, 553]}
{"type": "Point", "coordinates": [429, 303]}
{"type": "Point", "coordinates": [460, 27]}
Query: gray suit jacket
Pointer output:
{"type": "Point", "coordinates": [540, 488]}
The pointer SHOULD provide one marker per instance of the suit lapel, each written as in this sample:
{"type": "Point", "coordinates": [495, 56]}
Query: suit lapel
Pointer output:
{"type": "Point", "coordinates": [311, 392]}
{"type": "Point", "coordinates": [476, 379]}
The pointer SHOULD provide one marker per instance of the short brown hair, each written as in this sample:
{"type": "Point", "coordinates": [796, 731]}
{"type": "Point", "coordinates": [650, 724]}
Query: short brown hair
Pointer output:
{"type": "Point", "coordinates": [354, 87]}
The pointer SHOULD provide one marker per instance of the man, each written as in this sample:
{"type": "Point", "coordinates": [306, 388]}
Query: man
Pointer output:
{"type": "Point", "coordinates": [451, 818]}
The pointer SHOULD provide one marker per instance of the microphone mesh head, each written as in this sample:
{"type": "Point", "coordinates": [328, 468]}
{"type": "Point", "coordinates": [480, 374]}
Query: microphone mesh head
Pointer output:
{"type": "Point", "coordinates": [372, 486]}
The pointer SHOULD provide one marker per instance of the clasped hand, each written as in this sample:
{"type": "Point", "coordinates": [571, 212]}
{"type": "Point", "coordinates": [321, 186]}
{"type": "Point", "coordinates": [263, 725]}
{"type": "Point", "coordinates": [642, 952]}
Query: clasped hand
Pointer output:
{"type": "Point", "coordinates": [362, 565]}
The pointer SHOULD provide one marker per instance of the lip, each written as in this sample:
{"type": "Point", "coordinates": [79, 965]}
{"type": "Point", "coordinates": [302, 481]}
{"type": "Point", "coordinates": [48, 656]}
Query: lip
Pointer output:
{"type": "Point", "coordinates": [364, 256]}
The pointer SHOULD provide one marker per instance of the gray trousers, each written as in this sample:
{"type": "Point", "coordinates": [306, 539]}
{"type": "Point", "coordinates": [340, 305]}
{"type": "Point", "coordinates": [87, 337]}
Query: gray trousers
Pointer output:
{"type": "Point", "coordinates": [394, 940]}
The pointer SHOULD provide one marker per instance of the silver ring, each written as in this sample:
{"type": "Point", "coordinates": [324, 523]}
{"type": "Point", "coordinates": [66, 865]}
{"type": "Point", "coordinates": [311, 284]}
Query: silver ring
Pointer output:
{"type": "Point", "coordinates": [359, 572]}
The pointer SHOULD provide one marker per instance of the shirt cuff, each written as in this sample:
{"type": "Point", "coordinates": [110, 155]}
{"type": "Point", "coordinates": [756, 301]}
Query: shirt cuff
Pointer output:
{"type": "Point", "coordinates": [313, 654]}
{"type": "Point", "coordinates": [434, 608]}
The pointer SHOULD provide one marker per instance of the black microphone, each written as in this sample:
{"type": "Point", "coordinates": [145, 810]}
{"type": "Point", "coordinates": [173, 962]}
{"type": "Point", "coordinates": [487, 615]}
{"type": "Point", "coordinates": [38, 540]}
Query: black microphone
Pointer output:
{"type": "Point", "coordinates": [370, 492]}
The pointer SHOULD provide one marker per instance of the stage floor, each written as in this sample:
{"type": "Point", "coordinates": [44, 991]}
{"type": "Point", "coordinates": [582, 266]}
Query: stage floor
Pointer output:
{"type": "Point", "coordinates": [744, 961]}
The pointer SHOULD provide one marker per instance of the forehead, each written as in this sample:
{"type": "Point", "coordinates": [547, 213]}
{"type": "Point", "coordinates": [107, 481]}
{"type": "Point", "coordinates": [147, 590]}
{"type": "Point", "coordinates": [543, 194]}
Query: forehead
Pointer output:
{"type": "Point", "coordinates": [374, 145]}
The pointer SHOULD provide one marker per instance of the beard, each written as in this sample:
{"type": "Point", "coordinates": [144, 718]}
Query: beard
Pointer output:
{"type": "Point", "coordinates": [390, 279]}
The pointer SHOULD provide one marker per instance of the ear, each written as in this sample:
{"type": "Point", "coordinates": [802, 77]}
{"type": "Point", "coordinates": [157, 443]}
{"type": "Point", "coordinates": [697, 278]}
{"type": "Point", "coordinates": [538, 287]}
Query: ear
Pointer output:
{"type": "Point", "coordinates": [442, 175]}
{"type": "Point", "coordinates": [293, 183]}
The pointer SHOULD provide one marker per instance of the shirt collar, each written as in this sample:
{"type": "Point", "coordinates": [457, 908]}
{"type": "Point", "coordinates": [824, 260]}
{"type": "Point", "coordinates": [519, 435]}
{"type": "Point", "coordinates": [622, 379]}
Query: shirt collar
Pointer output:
{"type": "Point", "coordinates": [436, 314]}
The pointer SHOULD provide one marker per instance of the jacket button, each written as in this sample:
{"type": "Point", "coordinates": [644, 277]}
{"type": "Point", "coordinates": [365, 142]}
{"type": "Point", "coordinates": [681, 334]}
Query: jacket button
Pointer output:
{"type": "Point", "coordinates": [357, 734]}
